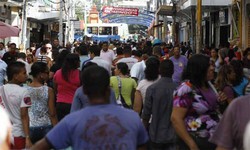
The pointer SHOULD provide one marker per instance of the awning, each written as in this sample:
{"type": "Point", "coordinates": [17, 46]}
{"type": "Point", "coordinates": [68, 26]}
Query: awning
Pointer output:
{"type": "Point", "coordinates": [165, 10]}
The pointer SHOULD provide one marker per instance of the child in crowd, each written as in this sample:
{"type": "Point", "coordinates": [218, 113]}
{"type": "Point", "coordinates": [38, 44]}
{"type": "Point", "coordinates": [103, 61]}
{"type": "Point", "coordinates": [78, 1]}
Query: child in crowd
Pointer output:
{"type": "Point", "coordinates": [16, 101]}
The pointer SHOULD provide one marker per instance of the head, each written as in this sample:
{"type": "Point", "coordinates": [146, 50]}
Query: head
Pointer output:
{"type": "Point", "coordinates": [177, 53]}
{"type": "Point", "coordinates": [226, 76]}
{"type": "Point", "coordinates": [5, 130]}
{"type": "Point", "coordinates": [166, 68]}
{"type": "Point", "coordinates": [12, 47]}
{"type": "Point", "coordinates": [127, 51]}
{"type": "Point", "coordinates": [214, 53]}
{"type": "Point", "coordinates": [30, 58]}
{"type": "Point", "coordinates": [40, 71]}
{"type": "Point", "coordinates": [71, 62]}
{"type": "Point", "coordinates": [157, 51]}
{"type": "Point", "coordinates": [82, 50]}
{"type": "Point", "coordinates": [238, 68]}
{"type": "Point", "coordinates": [22, 56]}
{"type": "Point", "coordinates": [119, 51]}
{"type": "Point", "coordinates": [95, 51]}
{"type": "Point", "coordinates": [1, 45]}
{"type": "Point", "coordinates": [96, 84]}
{"type": "Point", "coordinates": [16, 73]}
{"type": "Point", "coordinates": [152, 68]}
{"type": "Point", "coordinates": [198, 70]}
{"type": "Point", "coordinates": [61, 57]}
{"type": "Point", "coordinates": [55, 42]}
{"type": "Point", "coordinates": [43, 50]}
{"type": "Point", "coordinates": [105, 46]}
{"type": "Point", "coordinates": [121, 69]}
{"type": "Point", "coordinates": [48, 47]}
{"type": "Point", "coordinates": [87, 65]}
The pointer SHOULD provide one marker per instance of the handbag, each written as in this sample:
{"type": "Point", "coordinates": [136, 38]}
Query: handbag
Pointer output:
{"type": "Point", "coordinates": [120, 99]}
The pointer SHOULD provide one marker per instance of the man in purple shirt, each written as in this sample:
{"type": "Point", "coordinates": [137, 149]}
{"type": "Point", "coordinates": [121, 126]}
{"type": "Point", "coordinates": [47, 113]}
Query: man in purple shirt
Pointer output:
{"type": "Point", "coordinates": [100, 125]}
{"type": "Point", "coordinates": [180, 62]}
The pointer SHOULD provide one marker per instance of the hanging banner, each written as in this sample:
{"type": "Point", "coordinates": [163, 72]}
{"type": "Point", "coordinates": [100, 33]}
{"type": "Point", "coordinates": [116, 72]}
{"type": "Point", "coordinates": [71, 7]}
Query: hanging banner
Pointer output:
{"type": "Point", "coordinates": [120, 10]}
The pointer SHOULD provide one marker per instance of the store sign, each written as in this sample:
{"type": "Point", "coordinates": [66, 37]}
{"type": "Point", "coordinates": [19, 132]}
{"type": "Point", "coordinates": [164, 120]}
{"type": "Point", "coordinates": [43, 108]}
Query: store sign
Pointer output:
{"type": "Point", "coordinates": [120, 10]}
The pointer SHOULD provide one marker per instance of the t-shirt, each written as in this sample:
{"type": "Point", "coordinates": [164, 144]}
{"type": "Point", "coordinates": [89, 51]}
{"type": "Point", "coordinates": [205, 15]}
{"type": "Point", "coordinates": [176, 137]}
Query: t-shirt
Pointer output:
{"type": "Point", "coordinates": [18, 97]}
{"type": "Point", "coordinates": [179, 65]}
{"type": "Point", "coordinates": [2, 53]}
{"type": "Point", "coordinates": [130, 61]}
{"type": "Point", "coordinates": [137, 71]}
{"type": "Point", "coordinates": [230, 131]}
{"type": "Point", "coordinates": [66, 89]}
{"type": "Point", "coordinates": [99, 127]}
{"type": "Point", "coordinates": [102, 63]}
{"type": "Point", "coordinates": [142, 87]}
{"type": "Point", "coordinates": [128, 84]}
{"type": "Point", "coordinates": [109, 55]}
{"type": "Point", "coordinates": [81, 100]}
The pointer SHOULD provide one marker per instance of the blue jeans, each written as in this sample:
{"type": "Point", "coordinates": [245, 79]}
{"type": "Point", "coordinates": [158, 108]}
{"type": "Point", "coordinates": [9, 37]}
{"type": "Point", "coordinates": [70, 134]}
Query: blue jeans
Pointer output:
{"type": "Point", "coordinates": [37, 133]}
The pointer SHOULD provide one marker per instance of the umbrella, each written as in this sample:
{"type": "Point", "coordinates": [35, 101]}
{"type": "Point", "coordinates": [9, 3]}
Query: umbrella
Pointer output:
{"type": "Point", "coordinates": [7, 30]}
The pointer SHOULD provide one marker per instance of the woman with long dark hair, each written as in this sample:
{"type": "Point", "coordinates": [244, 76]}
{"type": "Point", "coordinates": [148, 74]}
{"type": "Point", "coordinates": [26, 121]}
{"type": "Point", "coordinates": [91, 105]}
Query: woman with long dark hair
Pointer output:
{"type": "Point", "coordinates": [66, 81]}
{"type": "Point", "coordinates": [151, 75]}
{"type": "Point", "coordinates": [195, 112]}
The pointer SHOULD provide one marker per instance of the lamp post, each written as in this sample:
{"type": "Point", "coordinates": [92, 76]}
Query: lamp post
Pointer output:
{"type": "Point", "coordinates": [198, 26]}
{"type": "Point", "coordinates": [24, 25]}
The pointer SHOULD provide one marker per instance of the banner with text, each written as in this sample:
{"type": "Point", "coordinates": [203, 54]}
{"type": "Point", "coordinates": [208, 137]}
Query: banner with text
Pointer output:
{"type": "Point", "coordinates": [120, 10]}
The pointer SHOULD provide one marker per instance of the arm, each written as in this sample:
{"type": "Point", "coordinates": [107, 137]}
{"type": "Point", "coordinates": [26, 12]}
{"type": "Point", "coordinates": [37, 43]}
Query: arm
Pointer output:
{"type": "Point", "coordinates": [51, 105]}
{"type": "Point", "coordinates": [25, 122]}
{"type": "Point", "coordinates": [43, 144]}
{"type": "Point", "coordinates": [147, 109]}
{"type": "Point", "coordinates": [133, 96]}
{"type": "Point", "coordinates": [55, 87]}
{"type": "Point", "coordinates": [220, 148]}
{"type": "Point", "coordinates": [51, 75]}
{"type": "Point", "coordinates": [177, 119]}
{"type": "Point", "coordinates": [138, 102]}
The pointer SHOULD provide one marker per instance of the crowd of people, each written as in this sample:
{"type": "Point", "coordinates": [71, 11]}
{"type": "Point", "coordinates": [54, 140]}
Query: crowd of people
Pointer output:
{"type": "Point", "coordinates": [112, 95]}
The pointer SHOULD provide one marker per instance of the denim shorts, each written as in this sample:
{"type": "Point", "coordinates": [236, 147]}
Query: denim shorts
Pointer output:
{"type": "Point", "coordinates": [37, 133]}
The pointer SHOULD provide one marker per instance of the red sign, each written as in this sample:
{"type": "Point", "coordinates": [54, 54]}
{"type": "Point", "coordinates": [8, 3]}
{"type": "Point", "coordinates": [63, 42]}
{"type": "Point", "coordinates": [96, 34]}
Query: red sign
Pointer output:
{"type": "Point", "coordinates": [120, 10]}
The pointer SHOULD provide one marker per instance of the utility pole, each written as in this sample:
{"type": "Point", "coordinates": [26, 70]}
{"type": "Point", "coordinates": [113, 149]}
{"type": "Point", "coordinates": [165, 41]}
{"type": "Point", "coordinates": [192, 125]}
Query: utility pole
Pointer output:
{"type": "Point", "coordinates": [85, 21]}
{"type": "Point", "coordinates": [198, 26]}
{"type": "Point", "coordinates": [24, 26]}
{"type": "Point", "coordinates": [60, 36]}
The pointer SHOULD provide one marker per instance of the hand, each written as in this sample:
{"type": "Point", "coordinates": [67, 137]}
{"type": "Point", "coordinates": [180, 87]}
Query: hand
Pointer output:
{"type": "Point", "coordinates": [222, 97]}
{"type": "Point", "coordinates": [28, 143]}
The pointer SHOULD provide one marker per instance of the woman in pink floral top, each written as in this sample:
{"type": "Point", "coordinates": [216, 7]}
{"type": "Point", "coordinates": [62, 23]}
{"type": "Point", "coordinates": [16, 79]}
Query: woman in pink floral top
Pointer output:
{"type": "Point", "coordinates": [195, 112]}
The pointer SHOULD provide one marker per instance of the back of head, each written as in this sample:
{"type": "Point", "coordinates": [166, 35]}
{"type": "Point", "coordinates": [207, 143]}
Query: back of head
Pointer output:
{"type": "Point", "coordinates": [196, 70]}
{"type": "Point", "coordinates": [166, 68]}
{"type": "Point", "coordinates": [37, 68]}
{"type": "Point", "coordinates": [5, 130]}
{"type": "Point", "coordinates": [123, 67]}
{"type": "Point", "coordinates": [95, 81]}
{"type": "Point", "coordinates": [95, 49]}
{"type": "Point", "coordinates": [82, 49]}
{"type": "Point", "coordinates": [21, 55]}
{"type": "Point", "coordinates": [152, 68]}
{"type": "Point", "coordinates": [157, 50]}
{"type": "Point", "coordinates": [127, 50]}
{"type": "Point", "coordinates": [119, 51]}
{"type": "Point", "coordinates": [238, 68]}
{"type": "Point", "coordinates": [14, 68]}
{"type": "Point", "coordinates": [71, 62]}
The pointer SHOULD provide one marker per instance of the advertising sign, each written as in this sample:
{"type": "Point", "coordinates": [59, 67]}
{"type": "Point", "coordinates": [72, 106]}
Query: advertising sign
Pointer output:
{"type": "Point", "coordinates": [120, 10]}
